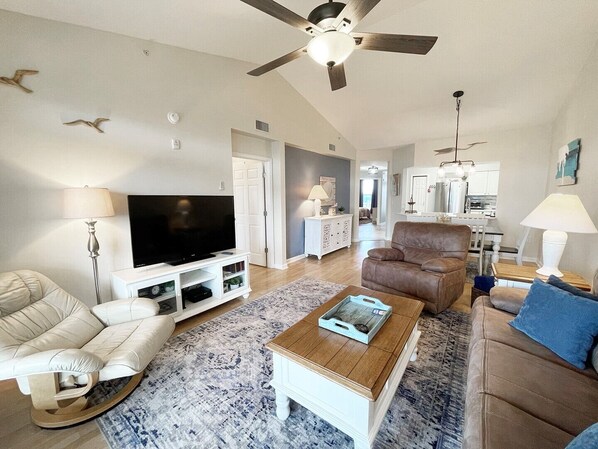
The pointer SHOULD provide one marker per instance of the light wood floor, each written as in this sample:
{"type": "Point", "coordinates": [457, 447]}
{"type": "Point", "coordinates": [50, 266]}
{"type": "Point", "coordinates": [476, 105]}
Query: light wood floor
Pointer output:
{"type": "Point", "coordinates": [342, 267]}
{"type": "Point", "coordinates": [370, 231]}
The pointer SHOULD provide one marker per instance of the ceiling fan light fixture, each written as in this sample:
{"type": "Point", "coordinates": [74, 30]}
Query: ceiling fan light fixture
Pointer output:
{"type": "Point", "coordinates": [472, 169]}
{"type": "Point", "coordinates": [331, 48]}
{"type": "Point", "coordinates": [441, 172]}
{"type": "Point", "coordinates": [459, 172]}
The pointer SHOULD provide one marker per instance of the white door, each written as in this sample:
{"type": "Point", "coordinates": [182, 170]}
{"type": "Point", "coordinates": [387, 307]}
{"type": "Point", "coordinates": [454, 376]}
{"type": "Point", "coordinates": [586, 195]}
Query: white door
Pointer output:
{"type": "Point", "coordinates": [250, 222]}
{"type": "Point", "coordinates": [419, 189]}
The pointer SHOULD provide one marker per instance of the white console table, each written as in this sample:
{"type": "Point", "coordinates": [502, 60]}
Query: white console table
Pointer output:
{"type": "Point", "coordinates": [327, 233]}
{"type": "Point", "coordinates": [172, 287]}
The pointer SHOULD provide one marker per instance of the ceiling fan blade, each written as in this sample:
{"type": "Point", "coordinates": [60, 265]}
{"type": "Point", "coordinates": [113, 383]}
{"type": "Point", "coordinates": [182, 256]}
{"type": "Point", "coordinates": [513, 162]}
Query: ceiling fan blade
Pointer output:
{"type": "Point", "coordinates": [445, 150]}
{"type": "Point", "coordinates": [336, 73]}
{"type": "Point", "coordinates": [278, 62]}
{"type": "Point", "coordinates": [279, 12]}
{"type": "Point", "coordinates": [475, 143]}
{"type": "Point", "coordinates": [352, 14]}
{"type": "Point", "coordinates": [400, 43]}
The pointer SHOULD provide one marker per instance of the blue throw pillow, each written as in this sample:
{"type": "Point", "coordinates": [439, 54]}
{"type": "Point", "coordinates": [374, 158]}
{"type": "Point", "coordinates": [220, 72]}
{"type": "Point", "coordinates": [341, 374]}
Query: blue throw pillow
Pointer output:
{"type": "Point", "coordinates": [564, 323]}
{"type": "Point", "coordinates": [558, 282]}
{"type": "Point", "coordinates": [588, 439]}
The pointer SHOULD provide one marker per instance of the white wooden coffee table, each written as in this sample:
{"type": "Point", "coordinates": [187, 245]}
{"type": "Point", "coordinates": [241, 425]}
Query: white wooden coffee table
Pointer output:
{"type": "Point", "coordinates": [347, 383]}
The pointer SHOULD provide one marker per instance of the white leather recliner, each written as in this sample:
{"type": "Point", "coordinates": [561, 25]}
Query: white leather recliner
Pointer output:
{"type": "Point", "coordinates": [58, 349]}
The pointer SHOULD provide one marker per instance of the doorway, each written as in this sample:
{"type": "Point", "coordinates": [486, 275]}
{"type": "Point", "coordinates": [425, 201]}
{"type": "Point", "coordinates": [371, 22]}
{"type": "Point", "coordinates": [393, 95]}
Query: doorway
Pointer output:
{"type": "Point", "coordinates": [249, 187]}
{"type": "Point", "coordinates": [372, 200]}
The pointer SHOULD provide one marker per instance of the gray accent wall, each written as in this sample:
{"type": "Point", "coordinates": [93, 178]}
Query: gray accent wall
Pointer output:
{"type": "Point", "coordinates": [302, 171]}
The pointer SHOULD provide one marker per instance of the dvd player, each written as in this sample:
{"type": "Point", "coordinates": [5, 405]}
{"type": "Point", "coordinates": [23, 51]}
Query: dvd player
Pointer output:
{"type": "Point", "coordinates": [196, 293]}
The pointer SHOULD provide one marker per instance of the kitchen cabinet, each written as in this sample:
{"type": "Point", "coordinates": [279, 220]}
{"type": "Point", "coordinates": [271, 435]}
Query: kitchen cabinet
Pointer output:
{"type": "Point", "coordinates": [483, 183]}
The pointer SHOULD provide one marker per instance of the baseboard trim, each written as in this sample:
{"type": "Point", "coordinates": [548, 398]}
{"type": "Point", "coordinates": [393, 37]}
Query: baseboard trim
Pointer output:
{"type": "Point", "coordinates": [296, 258]}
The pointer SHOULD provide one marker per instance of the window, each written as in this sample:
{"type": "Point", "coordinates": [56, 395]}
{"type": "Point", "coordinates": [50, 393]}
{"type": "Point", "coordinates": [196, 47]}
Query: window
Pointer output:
{"type": "Point", "coordinates": [368, 188]}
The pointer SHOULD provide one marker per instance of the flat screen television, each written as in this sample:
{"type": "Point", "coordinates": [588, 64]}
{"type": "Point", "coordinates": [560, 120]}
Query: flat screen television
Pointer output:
{"type": "Point", "coordinates": [179, 229]}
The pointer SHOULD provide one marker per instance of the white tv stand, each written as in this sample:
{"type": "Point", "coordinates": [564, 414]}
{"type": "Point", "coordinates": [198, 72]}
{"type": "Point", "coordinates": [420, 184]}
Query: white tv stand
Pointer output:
{"type": "Point", "coordinates": [170, 285]}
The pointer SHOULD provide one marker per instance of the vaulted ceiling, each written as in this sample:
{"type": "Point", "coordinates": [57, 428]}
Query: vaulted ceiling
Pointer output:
{"type": "Point", "coordinates": [516, 60]}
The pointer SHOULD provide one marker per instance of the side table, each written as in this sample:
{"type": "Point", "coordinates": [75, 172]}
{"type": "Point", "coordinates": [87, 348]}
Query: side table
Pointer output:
{"type": "Point", "coordinates": [522, 276]}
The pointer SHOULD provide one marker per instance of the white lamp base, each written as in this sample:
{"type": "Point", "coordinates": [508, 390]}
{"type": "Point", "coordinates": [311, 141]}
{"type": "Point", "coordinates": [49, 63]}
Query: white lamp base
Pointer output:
{"type": "Point", "coordinates": [553, 245]}
{"type": "Point", "coordinates": [317, 207]}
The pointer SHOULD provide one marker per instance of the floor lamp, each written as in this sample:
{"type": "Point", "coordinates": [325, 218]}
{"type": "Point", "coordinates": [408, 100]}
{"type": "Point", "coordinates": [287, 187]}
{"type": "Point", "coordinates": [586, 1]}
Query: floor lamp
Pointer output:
{"type": "Point", "coordinates": [89, 203]}
{"type": "Point", "coordinates": [558, 214]}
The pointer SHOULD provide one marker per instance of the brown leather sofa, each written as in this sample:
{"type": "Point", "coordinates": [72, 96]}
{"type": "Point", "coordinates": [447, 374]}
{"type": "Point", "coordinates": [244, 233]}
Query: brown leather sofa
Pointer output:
{"type": "Point", "coordinates": [426, 261]}
{"type": "Point", "coordinates": [519, 393]}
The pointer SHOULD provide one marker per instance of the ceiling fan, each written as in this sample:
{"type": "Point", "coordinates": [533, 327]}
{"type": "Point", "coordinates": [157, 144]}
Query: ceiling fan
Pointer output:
{"type": "Point", "coordinates": [330, 25]}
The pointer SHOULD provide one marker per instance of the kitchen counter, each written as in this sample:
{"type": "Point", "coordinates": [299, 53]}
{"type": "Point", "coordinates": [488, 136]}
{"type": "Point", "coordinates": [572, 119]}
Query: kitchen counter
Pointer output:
{"type": "Point", "coordinates": [433, 216]}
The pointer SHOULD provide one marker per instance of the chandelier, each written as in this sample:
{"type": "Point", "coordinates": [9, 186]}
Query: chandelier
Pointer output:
{"type": "Point", "coordinates": [459, 165]}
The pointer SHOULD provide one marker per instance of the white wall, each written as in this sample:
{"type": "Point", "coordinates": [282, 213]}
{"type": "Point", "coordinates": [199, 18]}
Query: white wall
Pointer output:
{"type": "Point", "coordinates": [524, 156]}
{"type": "Point", "coordinates": [402, 158]}
{"type": "Point", "coordinates": [249, 145]}
{"type": "Point", "coordinates": [578, 118]}
{"type": "Point", "coordinates": [88, 74]}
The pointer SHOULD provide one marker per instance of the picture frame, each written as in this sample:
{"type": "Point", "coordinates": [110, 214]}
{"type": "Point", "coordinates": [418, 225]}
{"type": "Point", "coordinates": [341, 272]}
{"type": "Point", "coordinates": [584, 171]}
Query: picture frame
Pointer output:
{"type": "Point", "coordinates": [568, 163]}
{"type": "Point", "coordinates": [328, 183]}
{"type": "Point", "coordinates": [396, 184]}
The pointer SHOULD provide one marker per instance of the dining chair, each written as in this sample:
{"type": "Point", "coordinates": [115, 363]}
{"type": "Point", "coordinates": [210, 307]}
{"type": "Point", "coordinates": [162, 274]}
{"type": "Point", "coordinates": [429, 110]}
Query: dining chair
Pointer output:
{"type": "Point", "coordinates": [478, 235]}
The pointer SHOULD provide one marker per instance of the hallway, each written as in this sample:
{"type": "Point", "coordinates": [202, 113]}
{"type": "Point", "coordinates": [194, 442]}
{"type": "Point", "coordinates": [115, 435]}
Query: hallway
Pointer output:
{"type": "Point", "coordinates": [371, 232]}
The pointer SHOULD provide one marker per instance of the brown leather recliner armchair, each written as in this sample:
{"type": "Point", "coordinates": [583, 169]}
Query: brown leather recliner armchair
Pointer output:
{"type": "Point", "coordinates": [426, 261]}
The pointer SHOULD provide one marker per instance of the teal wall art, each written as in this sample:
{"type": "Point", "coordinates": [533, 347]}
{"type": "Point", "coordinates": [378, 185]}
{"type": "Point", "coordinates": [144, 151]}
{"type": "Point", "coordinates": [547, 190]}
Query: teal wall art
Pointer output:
{"type": "Point", "coordinates": [567, 163]}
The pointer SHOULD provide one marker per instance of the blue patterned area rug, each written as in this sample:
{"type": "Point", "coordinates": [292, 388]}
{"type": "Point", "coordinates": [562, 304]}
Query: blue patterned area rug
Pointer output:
{"type": "Point", "coordinates": [209, 387]}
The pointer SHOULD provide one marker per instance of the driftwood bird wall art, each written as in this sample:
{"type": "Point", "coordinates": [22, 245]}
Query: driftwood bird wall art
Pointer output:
{"type": "Point", "coordinates": [95, 124]}
{"type": "Point", "coordinates": [451, 149]}
{"type": "Point", "coordinates": [16, 79]}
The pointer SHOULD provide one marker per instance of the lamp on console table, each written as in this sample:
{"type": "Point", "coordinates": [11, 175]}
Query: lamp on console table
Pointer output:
{"type": "Point", "coordinates": [89, 203]}
{"type": "Point", "coordinates": [558, 214]}
{"type": "Point", "coordinates": [318, 194]}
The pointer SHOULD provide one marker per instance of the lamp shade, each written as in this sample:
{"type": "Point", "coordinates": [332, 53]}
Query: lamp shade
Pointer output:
{"type": "Point", "coordinates": [317, 193]}
{"type": "Point", "coordinates": [560, 212]}
{"type": "Point", "coordinates": [331, 47]}
{"type": "Point", "coordinates": [87, 202]}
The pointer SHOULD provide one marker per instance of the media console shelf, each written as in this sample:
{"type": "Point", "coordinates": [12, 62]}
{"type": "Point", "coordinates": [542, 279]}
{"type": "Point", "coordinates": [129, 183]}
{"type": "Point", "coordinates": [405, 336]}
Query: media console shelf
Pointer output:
{"type": "Point", "coordinates": [178, 289]}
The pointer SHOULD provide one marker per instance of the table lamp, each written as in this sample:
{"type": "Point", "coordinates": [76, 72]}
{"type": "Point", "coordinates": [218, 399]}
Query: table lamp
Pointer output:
{"type": "Point", "coordinates": [89, 203]}
{"type": "Point", "coordinates": [558, 214]}
{"type": "Point", "coordinates": [318, 194]}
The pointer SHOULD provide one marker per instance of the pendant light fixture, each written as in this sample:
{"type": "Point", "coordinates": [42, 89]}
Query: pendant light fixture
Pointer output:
{"type": "Point", "coordinates": [459, 165]}
{"type": "Point", "coordinates": [373, 170]}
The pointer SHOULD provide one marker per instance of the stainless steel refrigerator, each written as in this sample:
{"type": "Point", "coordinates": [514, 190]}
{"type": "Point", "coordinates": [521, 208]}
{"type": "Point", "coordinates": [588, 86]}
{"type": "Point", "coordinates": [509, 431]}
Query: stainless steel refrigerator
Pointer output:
{"type": "Point", "coordinates": [450, 196]}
